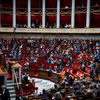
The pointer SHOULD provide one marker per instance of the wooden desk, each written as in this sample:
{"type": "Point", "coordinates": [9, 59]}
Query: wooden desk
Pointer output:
{"type": "Point", "coordinates": [43, 74]}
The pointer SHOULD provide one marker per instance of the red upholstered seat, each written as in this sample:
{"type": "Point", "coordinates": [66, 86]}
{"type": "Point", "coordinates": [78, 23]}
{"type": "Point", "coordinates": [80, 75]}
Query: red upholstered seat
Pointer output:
{"type": "Point", "coordinates": [42, 59]}
{"type": "Point", "coordinates": [26, 89]}
{"type": "Point", "coordinates": [76, 66]}
{"type": "Point", "coordinates": [24, 92]}
{"type": "Point", "coordinates": [88, 69]}
{"type": "Point", "coordinates": [34, 65]}
{"type": "Point", "coordinates": [56, 58]}
{"type": "Point", "coordinates": [65, 60]}
{"type": "Point", "coordinates": [80, 73]}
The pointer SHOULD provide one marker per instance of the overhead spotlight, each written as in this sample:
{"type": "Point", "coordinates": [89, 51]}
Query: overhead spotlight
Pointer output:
{"type": "Point", "coordinates": [96, 4]}
{"type": "Point", "coordinates": [66, 7]}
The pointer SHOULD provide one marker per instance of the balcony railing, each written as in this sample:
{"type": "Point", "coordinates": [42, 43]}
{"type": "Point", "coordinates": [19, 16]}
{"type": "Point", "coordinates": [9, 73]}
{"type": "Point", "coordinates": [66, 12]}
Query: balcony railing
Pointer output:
{"type": "Point", "coordinates": [51, 30]}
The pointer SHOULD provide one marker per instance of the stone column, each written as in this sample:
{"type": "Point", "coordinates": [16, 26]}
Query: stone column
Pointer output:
{"type": "Point", "coordinates": [73, 14]}
{"type": "Point", "coordinates": [58, 13]}
{"type": "Point", "coordinates": [14, 13]}
{"type": "Point", "coordinates": [88, 14]}
{"type": "Point", "coordinates": [0, 15]}
{"type": "Point", "coordinates": [43, 13]}
{"type": "Point", "coordinates": [29, 14]}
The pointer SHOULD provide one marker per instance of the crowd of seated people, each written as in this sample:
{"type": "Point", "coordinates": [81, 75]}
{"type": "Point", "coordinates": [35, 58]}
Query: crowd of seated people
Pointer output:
{"type": "Point", "coordinates": [57, 52]}
{"type": "Point", "coordinates": [80, 89]}
{"type": "Point", "coordinates": [38, 24]}
{"type": "Point", "coordinates": [58, 55]}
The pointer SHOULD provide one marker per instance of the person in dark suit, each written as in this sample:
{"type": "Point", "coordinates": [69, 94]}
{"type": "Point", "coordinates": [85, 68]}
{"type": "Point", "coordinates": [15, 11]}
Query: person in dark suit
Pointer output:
{"type": "Point", "coordinates": [4, 93]}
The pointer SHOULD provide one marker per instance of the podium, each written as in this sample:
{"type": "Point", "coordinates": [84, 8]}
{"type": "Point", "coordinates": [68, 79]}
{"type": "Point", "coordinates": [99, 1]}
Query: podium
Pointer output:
{"type": "Point", "coordinates": [3, 72]}
{"type": "Point", "coordinates": [16, 71]}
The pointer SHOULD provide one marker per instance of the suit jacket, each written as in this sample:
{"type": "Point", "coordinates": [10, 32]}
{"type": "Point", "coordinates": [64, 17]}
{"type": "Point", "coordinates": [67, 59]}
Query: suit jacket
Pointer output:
{"type": "Point", "coordinates": [5, 95]}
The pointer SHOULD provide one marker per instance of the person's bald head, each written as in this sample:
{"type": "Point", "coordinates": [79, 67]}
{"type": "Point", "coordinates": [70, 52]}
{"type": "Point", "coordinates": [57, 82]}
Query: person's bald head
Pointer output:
{"type": "Point", "coordinates": [3, 87]}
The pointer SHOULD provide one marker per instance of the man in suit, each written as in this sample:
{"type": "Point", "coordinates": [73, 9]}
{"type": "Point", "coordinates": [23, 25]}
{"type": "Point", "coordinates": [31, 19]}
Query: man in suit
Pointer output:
{"type": "Point", "coordinates": [4, 93]}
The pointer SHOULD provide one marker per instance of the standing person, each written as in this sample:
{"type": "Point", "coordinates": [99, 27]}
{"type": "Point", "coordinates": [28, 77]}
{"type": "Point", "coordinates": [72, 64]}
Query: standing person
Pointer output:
{"type": "Point", "coordinates": [4, 93]}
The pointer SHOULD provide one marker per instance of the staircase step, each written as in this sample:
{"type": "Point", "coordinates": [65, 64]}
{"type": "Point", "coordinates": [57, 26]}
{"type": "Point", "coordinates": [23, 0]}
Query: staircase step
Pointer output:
{"type": "Point", "coordinates": [13, 95]}
{"type": "Point", "coordinates": [11, 88]}
{"type": "Point", "coordinates": [12, 99]}
{"type": "Point", "coordinates": [12, 91]}
{"type": "Point", "coordinates": [10, 84]}
{"type": "Point", "coordinates": [9, 81]}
